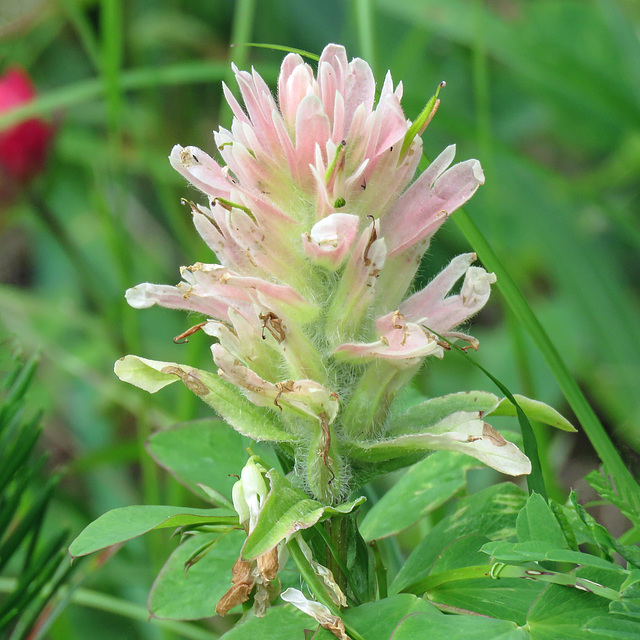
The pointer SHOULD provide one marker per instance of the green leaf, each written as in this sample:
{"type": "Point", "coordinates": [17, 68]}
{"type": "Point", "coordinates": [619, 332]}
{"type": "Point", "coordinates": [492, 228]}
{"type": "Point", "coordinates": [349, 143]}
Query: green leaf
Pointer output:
{"type": "Point", "coordinates": [434, 410]}
{"type": "Point", "coordinates": [613, 627]}
{"type": "Point", "coordinates": [506, 598]}
{"type": "Point", "coordinates": [119, 525]}
{"type": "Point", "coordinates": [559, 614]}
{"type": "Point", "coordinates": [379, 620]}
{"type": "Point", "coordinates": [457, 628]}
{"type": "Point", "coordinates": [535, 410]}
{"type": "Point", "coordinates": [283, 622]}
{"type": "Point", "coordinates": [426, 486]}
{"type": "Point", "coordinates": [206, 452]}
{"type": "Point", "coordinates": [536, 521]}
{"type": "Point", "coordinates": [285, 511]}
{"type": "Point", "coordinates": [492, 511]}
{"type": "Point", "coordinates": [537, 551]}
{"type": "Point", "coordinates": [190, 595]}
{"type": "Point", "coordinates": [225, 398]}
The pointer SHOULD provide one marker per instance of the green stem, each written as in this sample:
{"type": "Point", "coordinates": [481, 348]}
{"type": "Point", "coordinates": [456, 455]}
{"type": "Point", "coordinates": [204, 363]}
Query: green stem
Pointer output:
{"type": "Point", "coordinates": [111, 604]}
{"type": "Point", "coordinates": [585, 414]}
{"type": "Point", "coordinates": [499, 570]}
{"type": "Point", "coordinates": [316, 587]}
{"type": "Point", "coordinates": [340, 562]}
{"type": "Point", "coordinates": [381, 570]}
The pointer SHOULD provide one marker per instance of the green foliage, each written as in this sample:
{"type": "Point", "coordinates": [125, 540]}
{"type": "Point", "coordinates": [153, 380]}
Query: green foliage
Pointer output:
{"type": "Point", "coordinates": [32, 561]}
{"type": "Point", "coordinates": [552, 114]}
{"type": "Point", "coordinates": [185, 591]}
{"type": "Point", "coordinates": [126, 523]}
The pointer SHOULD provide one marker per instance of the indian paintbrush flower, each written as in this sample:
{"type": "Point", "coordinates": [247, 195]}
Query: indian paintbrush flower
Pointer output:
{"type": "Point", "coordinates": [319, 228]}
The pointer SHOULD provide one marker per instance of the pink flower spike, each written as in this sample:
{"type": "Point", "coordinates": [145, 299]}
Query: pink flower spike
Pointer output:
{"type": "Point", "coordinates": [331, 239]}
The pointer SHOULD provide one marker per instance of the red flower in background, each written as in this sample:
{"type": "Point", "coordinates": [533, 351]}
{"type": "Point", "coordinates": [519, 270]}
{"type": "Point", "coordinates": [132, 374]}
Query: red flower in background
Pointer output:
{"type": "Point", "coordinates": [23, 147]}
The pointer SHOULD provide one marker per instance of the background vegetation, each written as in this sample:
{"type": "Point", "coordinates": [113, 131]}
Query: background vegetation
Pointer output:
{"type": "Point", "coordinates": [544, 92]}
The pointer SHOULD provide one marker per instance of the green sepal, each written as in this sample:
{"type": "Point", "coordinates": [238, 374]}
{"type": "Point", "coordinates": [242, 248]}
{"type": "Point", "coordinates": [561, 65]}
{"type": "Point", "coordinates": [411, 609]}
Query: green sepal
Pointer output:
{"type": "Point", "coordinates": [225, 398]}
{"type": "Point", "coordinates": [285, 511]}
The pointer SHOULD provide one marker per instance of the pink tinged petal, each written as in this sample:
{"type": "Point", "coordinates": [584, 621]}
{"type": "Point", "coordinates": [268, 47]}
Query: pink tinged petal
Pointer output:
{"type": "Point", "coordinates": [312, 127]}
{"type": "Point", "coordinates": [360, 90]}
{"type": "Point", "coordinates": [426, 205]}
{"type": "Point", "coordinates": [420, 304]}
{"type": "Point", "coordinates": [303, 396]}
{"type": "Point", "coordinates": [332, 70]}
{"type": "Point", "coordinates": [182, 296]}
{"type": "Point", "coordinates": [331, 239]}
{"type": "Point", "coordinates": [294, 82]}
{"type": "Point", "coordinates": [402, 345]}
{"type": "Point", "coordinates": [213, 228]}
{"type": "Point", "coordinates": [200, 170]}
{"type": "Point", "coordinates": [357, 288]}
{"type": "Point", "coordinates": [257, 98]}
{"type": "Point", "coordinates": [389, 126]}
{"type": "Point", "coordinates": [236, 109]}
{"type": "Point", "coordinates": [244, 341]}
{"type": "Point", "coordinates": [385, 180]}
{"type": "Point", "coordinates": [456, 309]}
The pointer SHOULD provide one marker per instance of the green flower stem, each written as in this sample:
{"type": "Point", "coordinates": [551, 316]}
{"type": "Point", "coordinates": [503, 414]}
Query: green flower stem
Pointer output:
{"type": "Point", "coordinates": [315, 585]}
{"type": "Point", "coordinates": [110, 604]}
{"type": "Point", "coordinates": [381, 570]}
{"type": "Point", "coordinates": [339, 560]}
{"type": "Point", "coordinates": [601, 442]}
{"type": "Point", "coordinates": [499, 570]}
{"type": "Point", "coordinates": [313, 582]}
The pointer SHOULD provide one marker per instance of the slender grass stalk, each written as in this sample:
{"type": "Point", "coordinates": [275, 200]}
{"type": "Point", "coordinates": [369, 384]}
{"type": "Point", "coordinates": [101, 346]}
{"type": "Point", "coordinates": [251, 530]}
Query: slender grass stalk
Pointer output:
{"type": "Point", "coordinates": [135, 79]}
{"type": "Point", "coordinates": [111, 604]}
{"type": "Point", "coordinates": [78, 19]}
{"type": "Point", "coordinates": [241, 31]}
{"type": "Point", "coordinates": [111, 62]}
{"type": "Point", "coordinates": [601, 442]}
{"type": "Point", "coordinates": [364, 24]}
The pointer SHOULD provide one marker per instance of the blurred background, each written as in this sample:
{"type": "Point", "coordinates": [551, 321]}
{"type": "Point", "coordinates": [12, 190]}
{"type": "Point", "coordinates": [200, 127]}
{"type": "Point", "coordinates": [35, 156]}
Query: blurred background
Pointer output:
{"type": "Point", "coordinates": [546, 93]}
